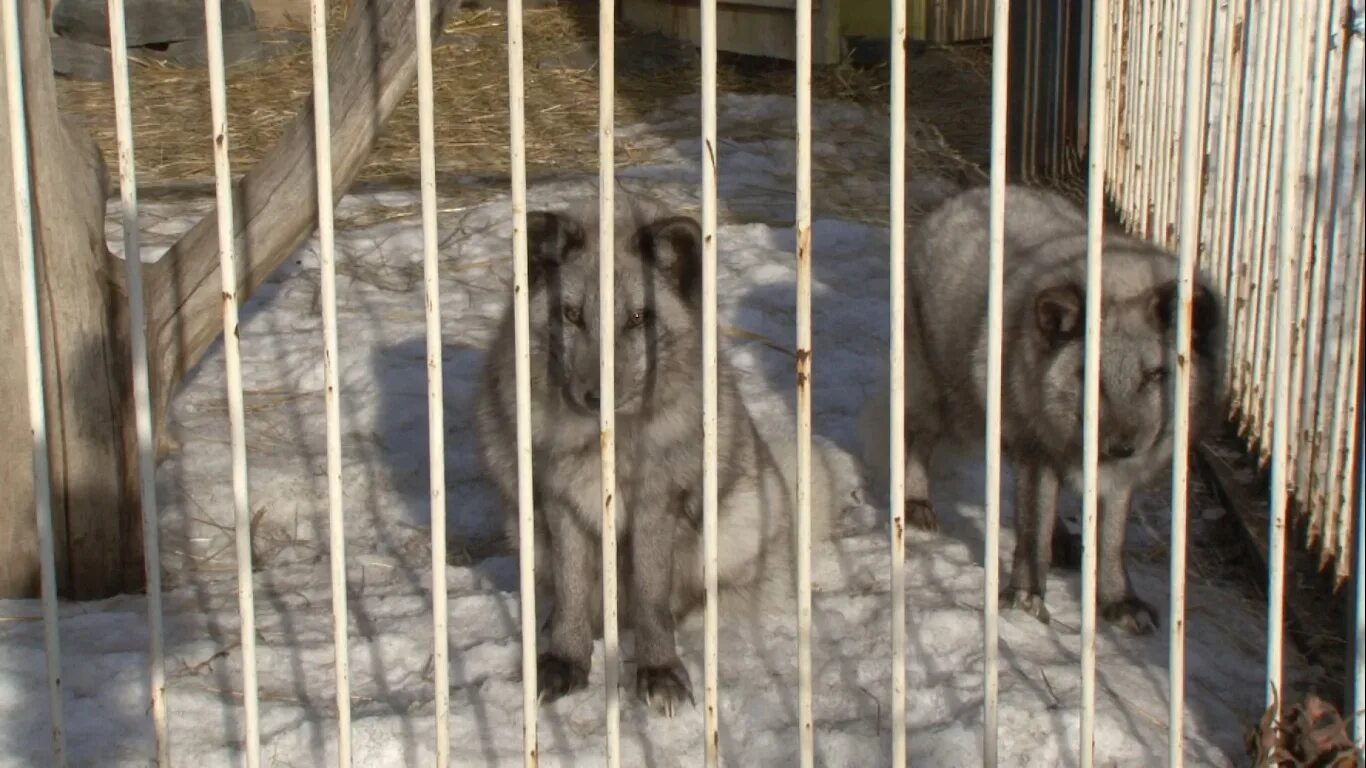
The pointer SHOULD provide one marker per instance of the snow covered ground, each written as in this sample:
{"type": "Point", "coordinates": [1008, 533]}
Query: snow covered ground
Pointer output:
{"type": "Point", "coordinates": [384, 422]}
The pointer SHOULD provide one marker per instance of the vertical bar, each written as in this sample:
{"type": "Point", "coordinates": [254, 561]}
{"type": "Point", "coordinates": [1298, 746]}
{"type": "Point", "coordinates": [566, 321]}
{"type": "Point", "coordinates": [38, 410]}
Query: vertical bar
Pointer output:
{"type": "Point", "coordinates": [1135, 91]}
{"type": "Point", "coordinates": [1246, 220]}
{"type": "Point", "coordinates": [526, 529]}
{"type": "Point", "coordinates": [1287, 241]}
{"type": "Point", "coordinates": [436, 408]}
{"type": "Point", "coordinates": [1192, 155]}
{"type": "Point", "coordinates": [991, 559]}
{"type": "Point", "coordinates": [1243, 218]}
{"type": "Point", "coordinates": [1095, 231]}
{"type": "Point", "coordinates": [1310, 264]}
{"type": "Point", "coordinates": [1317, 242]}
{"type": "Point", "coordinates": [1231, 136]}
{"type": "Point", "coordinates": [327, 269]}
{"type": "Point", "coordinates": [213, 20]}
{"type": "Point", "coordinates": [1349, 364]}
{"type": "Point", "coordinates": [896, 415]}
{"type": "Point", "coordinates": [606, 377]}
{"type": "Point", "coordinates": [1344, 326]}
{"type": "Point", "coordinates": [1169, 178]}
{"type": "Point", "coordinates": [1359, 676]}
{"type": "Point", "coordinates": [1113, 37]}
{"type": "Point", "coordinates": [1146, 118]}
{"type": "Point", "coordinates": [1276, 187]}
{"type": "Point", "coordinates": [711, 619]}
{"type": "Point", "coordinates": [142, 399]}
{"type": "Point", "coordinates": [1146, 124]}
{"type": "Point", "coordinates": [807, 734]}
{"type": "Point", "coordinates": [37, 414]}
{"type": "Point", "coordinates": [1261, 344]}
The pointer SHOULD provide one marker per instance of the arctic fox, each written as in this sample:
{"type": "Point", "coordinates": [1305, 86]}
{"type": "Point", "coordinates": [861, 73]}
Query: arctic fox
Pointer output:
{"type": "Point", "coordinates": [658, 386]}
{"type": "Point", "coordinates": [1044, 308]}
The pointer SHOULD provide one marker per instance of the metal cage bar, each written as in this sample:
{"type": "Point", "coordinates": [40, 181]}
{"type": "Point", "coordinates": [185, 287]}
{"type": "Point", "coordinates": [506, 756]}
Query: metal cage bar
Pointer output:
{"type": "Point", "coordinates": [213, 19]}
{"type": "Point", "coordinates": [1091, 408]}
{"type": "Point", "coordinates": [526, 529]}
{"type": "Point", "coordinates": [991, 588]}
{"type": "Point", "coordinates": [142, 398]}
{"type": "Point", "coordinates": [33, 361]}
{"type": "Point", "coordinates": [327, 268]}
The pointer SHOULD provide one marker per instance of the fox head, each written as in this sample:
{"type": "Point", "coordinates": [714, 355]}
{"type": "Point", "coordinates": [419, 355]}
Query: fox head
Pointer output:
{"type": "Point", "coordinates": [1138, 363]}
{"type": "Point", "coordinates": [658, 275]}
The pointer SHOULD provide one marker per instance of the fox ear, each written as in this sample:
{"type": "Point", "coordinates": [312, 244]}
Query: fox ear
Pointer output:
{"type": "Point", "coordinates": [1205, 312]}
{"type": "Point", "coordinates": [674, 245]}
{"type": "Point", "coordinates": [1059, 312]}
{"type": "Point", "coordinates": [551, 239]}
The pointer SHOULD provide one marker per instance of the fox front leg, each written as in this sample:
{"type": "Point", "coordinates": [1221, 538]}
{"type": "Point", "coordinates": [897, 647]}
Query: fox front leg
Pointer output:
{"type": "Point", "coordinates": [1036, 512]}
{"type": "Point", "coordinates": [1118, 603]}
{"type": "Point", "coordinates": [563, 667]}
{"type": "Point", "coordinates": [661, 680]}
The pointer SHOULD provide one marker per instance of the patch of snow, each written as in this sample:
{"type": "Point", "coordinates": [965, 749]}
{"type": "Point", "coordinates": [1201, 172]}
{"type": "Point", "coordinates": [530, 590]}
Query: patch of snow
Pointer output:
{"type": "Point", "coordinates": [384, 422]}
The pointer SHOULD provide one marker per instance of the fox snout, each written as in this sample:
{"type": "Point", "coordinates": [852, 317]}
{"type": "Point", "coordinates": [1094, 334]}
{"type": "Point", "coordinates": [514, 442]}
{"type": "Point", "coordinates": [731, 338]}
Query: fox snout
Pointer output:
{"type": "Point", "coordinates": [581, 385]}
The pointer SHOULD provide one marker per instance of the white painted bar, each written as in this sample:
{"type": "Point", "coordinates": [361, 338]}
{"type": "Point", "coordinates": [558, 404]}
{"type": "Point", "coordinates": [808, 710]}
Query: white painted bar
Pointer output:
{"type": "Point", "coordinates": [607, 376]}
{"type": "Point", "coordinates": [142, 398]}
{"type": "Point", "coordinates": [1147, 122]}
{"type": "Point", "coordinates": [1172, 97]}
{"type": "Point", "coordinates": [1311, 269]}
{"type": "Point", "coordinates": [1192, 156]}
{"type": "Point", "coordinates": [1135, 88]}
{"type": "Point", "coordinates": [1277, 282]}
{"type": "Point", "coordinates": [896, 415]}
{"type": "Point", "coordinates": [1359, 676]}
{"type": "Point", "coordinates": [436, 407]}
{"type": "Point", "coordinates": [1241, 298]}
{"type": "Point", "coordinates": [1231, 132]}
{"type": "Point", "coordinates": [1291, 191]}
{"type": "Point", "coordinates": [710, 618]}
{"type": "Point", "coordinates": [1262, 345]}
{"type": "Point", "coordinates": [1329, 238]}
{"type": "Point", "coordinates": [526, 529]}
{"type": "Point", "coordinates": [33, 349]}
{"type": "Point", "coordinates": [1345, 401]}
{"type": "Point", "coordinates": [1091, 408]}
{"type": "Point", "coordinates": [1318, 236]}
{"type": "Point", "coordinates": [807, 734]}
{"type": "Point", "coordinates": [213, 19]}
{"type": "Point", "coordinates": [1253, 320]}
{"type": "Point", "coordinates": [991, 558]}
{"type": "Point", "coordinates": [327, 269]}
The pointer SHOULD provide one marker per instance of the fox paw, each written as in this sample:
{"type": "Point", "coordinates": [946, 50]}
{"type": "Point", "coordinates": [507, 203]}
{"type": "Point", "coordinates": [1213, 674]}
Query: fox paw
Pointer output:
{"type": "Point", "coordinates": [664, 688]}
{"type": "Point", "coordinates": [1132, 614]}
{"type": "Point", "coordinates": [557, 676]}
{"type": "Point", "coordinates": [920, 515]}
{"type": "Point", "coordinates": [1029, 602]}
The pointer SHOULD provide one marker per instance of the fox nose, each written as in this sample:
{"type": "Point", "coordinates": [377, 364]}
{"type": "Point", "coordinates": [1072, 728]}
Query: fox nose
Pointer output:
{"type": "Point", "coordinates": [1120, 449]}
{"type": "Point", "coordinates": [590, 398]}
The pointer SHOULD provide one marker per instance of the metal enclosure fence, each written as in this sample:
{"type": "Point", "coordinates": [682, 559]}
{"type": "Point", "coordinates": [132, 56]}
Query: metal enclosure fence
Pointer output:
{"type": "Point", "coordinates": [1276, 92]}
{"type": "Point", "coordinates": [1281, 136]}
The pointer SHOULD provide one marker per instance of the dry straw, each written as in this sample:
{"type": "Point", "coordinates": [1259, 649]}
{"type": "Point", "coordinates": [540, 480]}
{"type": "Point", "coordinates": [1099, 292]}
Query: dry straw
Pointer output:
{"type": "Point", "coordinates": [471, 102]}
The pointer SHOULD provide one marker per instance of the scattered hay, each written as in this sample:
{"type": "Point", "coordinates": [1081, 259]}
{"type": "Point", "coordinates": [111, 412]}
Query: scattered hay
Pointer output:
{"type": "Point", "coordinates": [470, 67]}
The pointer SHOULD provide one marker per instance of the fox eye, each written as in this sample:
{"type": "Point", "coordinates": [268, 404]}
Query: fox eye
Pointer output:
{"type": "Point", "coordinates": [637, 318]}
{"type": "Point", "coordinates": [572, 314]}
{"type": "Point", "coordinates": [1155, 375]}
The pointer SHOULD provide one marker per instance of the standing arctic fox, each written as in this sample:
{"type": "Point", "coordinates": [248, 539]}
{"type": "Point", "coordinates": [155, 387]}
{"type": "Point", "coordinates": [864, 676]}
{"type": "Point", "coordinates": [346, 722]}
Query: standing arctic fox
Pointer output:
{"type": "Point", "coordinates": [1042, 391]}
{"type": "Point", "coordinates": [659, 447]}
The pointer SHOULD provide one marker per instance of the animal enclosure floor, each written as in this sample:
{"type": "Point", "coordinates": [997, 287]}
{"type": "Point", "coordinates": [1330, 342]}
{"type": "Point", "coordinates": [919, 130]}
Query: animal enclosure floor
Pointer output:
{"type": "Point", "coordinates": [384, 442]}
